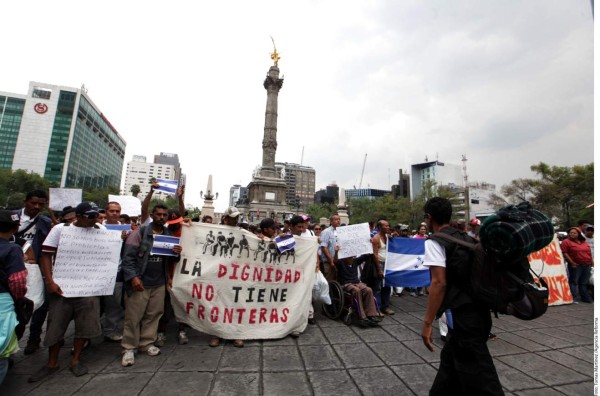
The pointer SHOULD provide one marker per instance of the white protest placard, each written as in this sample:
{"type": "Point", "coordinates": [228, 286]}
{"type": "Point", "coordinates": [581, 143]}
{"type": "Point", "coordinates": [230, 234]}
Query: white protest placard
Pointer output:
{"type": "Point", "coordinates": [130, 205]}
{"type": "Point", "coordinates": [354, 240]}
{"type": "Point", "coordinates": [231, 284]}
{"type": "Point", "coordinates": [61, 197]}
{"type": "Point", "coordinates": [87, 261]}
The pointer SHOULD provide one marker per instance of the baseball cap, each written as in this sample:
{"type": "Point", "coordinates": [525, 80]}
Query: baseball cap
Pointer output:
{"type": "Point", "coordinates": [475, 222]}
{"type": "Point", "coordinates": [403, 228]}
{"type": "Point", "coordinates": [9, 217]}
{"type": "Point", "coordinates": [231, 212]}
{"type": "Point", "coordinates": [87, 208]}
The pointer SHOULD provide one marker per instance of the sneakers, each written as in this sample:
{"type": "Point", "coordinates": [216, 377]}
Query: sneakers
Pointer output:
{"type": "Point", "coordinates": [32, 346]}
{"type": "Point", "coordinates": [160, 339]}
{"type": "Point", "coordinates": [413, 294]}
{"type": "Point", "coordinates": [388, 311]}
{"type": "Point", "coordinates": [152, 351]}
{"type": "Point", "coordinates": [182, 338]}
{"type": "Point", "coordinates": [128, 358]}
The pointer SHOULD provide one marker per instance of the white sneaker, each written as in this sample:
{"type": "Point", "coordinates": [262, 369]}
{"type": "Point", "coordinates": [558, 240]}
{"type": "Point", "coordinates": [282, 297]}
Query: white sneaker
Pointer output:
{"type": "Point", "coordinates": [153, 351]}
{"type": "Point", "coordinates": [182, 338]}
{"type": "Point", "coordinates": [160, 339]}
{"type": "Point", "coordinates": [128, 358]}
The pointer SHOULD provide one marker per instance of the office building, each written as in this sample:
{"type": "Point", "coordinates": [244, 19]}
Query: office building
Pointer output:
{"type": "Point", "coordinates": [441, 173]}
{"type": "Point", "coordinates": [141, 172]}
{"type": "Point", "coordinates": [60, 134]}
{"type": "Point", "coordinates": [299, 182]}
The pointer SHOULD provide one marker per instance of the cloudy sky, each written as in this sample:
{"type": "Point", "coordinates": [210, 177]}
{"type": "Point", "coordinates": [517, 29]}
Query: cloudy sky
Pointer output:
{"type": "Point", "coordinates": [508, 84]}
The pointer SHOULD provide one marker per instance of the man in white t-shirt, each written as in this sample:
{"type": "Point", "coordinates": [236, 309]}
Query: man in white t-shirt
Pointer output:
{"type": "Point", "coordinates": [85, 311]}
{"type": "Point", "coordinates": [466, 366]}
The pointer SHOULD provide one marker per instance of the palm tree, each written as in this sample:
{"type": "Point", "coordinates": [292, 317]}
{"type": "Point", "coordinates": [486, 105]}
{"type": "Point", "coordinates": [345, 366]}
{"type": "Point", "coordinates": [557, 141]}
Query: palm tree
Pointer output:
{"type": "Point", "coordinates": [135, 190]}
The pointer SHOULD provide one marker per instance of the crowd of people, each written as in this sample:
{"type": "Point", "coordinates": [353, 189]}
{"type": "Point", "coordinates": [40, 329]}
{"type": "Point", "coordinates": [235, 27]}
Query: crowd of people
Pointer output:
{"type": "Point", "coordinates": [138, 311]}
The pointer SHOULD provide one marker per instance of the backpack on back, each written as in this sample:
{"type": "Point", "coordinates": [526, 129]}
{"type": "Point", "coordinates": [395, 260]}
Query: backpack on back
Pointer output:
{"type": "Point", "coordinates": [505, 287]}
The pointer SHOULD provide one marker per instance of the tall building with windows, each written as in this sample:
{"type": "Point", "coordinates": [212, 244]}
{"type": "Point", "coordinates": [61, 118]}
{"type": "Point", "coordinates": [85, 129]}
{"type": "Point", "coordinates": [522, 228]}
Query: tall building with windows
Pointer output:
{"type": "Point", "coordinates": [300, 183]}
{"type": "Point", "coordinates": [441, 173]}
{"type": "Point", "coordinates": [370, 193]}
{"type": "Point", "coordinates": [238, 194]}
{"type": "Point", "coordinates": [170, 159]}
{"type": "Point", "coordinates": [139, 172]}
{"type": "Point", "coordinates": [60, 134]}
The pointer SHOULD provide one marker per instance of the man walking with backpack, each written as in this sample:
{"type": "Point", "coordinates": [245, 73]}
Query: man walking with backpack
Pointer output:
{"type": "Point", "coordinates": [466, 366]}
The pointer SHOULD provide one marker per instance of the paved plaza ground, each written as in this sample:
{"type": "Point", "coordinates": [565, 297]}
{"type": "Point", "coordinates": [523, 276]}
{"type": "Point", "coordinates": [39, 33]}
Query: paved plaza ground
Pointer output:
{"type": "Point", "coordinates": [553, 355]}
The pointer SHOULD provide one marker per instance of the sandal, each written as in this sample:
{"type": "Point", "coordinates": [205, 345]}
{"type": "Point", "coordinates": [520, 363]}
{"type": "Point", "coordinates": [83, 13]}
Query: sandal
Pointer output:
{"type": "Point", "coordinates": [78, 370]}
{"type": "Point", "coordinates": [238, 343]}
{"type": "Point", "coordinates": [214, 342]}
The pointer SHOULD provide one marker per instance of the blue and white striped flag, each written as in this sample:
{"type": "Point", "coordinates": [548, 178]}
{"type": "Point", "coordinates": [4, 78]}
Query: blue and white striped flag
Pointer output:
{"type": "Point", "coordinates": [167, 186]}
{"type": "Point", "coordinates": [404, 263]}
{"type": "Point", "coordinates": [285, 243]}
{"type": "Point", "coordinates": [163, 245]}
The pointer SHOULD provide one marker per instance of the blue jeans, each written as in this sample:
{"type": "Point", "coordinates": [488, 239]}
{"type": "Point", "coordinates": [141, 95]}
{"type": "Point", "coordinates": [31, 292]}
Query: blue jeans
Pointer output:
{"type": "Point", "coordinates": [579, 277]}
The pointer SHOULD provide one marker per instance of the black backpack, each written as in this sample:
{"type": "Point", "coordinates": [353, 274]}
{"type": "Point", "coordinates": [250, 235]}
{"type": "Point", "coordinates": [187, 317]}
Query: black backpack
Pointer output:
{"type": "Point", "coordinates": [505, 287]}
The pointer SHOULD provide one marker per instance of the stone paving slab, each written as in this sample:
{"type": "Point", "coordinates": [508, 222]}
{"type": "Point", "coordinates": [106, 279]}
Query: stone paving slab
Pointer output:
{"type": "Point", "coordinates": [553, 355]}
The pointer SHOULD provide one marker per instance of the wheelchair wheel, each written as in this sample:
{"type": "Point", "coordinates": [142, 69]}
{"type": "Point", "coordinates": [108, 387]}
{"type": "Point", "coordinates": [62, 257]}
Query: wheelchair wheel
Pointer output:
{"type": "Point", "coordinates": [336, 293]}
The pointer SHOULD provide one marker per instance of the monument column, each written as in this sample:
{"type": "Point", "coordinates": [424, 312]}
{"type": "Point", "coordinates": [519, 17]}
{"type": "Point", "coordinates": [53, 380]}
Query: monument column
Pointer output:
{"type": "Point", "coordinates": [269, 144]}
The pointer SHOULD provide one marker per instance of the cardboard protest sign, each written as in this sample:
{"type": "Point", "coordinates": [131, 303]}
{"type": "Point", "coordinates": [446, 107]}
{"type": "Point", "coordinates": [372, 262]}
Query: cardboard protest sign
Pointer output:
{"type": "Point", "coordinates": [61, 197]}
{"type": "Point", "coordinates": [354, 240]}
{"type": "Point", "coordinates": [130, 205]}
{"type": "Point", "coordinates": [549, 263]}
{"type": "Point", "coordinates": [237, 290]}
{"type": "Point", "coordinates": [87, 261]}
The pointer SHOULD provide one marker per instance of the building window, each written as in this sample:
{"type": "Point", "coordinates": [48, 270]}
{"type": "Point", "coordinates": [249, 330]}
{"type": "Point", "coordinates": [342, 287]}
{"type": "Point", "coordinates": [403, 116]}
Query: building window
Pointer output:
{"type": "Point", "coordinates": [41, 93]}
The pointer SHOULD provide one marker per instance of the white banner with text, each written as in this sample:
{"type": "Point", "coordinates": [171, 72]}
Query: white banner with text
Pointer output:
{"type": "Point", "coordinates": [231, 284]}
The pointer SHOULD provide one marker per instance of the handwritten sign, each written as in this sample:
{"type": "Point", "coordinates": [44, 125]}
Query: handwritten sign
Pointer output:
{"type": "Point", "coordinates": [130, 205]}
{"type": "Point", "coordinates": [61, 197]}
{"type": "Point", "coordinates": [87, 261]}
{"type": "Point", "coordinates": [242, 289]}
{"type": "Point", "coordinates": [354, 240]}
{"type": "Point", "coordinates": [549, 263]}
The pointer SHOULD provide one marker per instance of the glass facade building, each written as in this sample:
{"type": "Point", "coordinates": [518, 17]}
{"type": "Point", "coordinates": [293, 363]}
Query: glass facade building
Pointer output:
{"type": "Point", "coordinates": [58, 133]}
{"type": "Point", "coordinates": [11, 114]}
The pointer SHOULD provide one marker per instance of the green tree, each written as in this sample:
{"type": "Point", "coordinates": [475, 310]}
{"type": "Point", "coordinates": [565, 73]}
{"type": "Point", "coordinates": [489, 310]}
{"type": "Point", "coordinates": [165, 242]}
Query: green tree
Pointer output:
{"type": "Point", "coordinates": [15, 185]}
{"type": "Point", "coordinates": [99, 195]}
{"type": "Point", "coordinates": [564, 192]}
{"type": "Point", "coordinates": [316, 211]}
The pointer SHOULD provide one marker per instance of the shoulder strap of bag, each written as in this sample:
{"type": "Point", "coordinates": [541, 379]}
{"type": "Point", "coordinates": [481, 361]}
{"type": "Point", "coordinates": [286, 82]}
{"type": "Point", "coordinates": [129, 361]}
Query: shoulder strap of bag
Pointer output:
{"type": "Point", "coordinates": [450, 238]}
{"type": "Point", "coordinates": [21, 233]}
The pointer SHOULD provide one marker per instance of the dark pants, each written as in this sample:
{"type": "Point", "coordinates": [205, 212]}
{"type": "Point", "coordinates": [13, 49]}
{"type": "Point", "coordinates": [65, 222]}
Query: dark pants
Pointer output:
{"type": "Point", "coordinates": [38, 318]}
{"type": "Point", "coordinates": [466, 366]}
{"type": "Point", "coordinates": [579, 277]}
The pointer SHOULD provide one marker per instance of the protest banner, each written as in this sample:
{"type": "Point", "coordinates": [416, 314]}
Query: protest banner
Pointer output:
{"type": "Point", "coordinates": [87, 261]}
{"type": "Point", "coordinates": [354, 240]}
{"type": "Point", "coordinates": [549, 263]}
{"type": "Point", "coordinates": [240, 290]}
{"type": "Point", "coordinates": [61, 197]}
{"type": "Point", "coordinates": [130, 205]}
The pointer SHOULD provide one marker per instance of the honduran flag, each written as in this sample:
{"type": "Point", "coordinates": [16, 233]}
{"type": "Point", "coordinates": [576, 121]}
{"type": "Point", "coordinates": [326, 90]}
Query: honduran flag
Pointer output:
{"type": "Point", "coordinates": [163, 245]}
{"type": "Point", "coordinates": [404, 263]}
{"type": "Point", "coordinates": [285, 243]}
{"type": "Point", "coordinates": [167, 186]}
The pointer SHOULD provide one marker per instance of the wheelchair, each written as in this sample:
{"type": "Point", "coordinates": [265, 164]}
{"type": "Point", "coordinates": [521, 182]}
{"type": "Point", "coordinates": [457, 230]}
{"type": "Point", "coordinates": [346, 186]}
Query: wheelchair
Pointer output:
{"type": "Point", "coordinates": [343, 304]}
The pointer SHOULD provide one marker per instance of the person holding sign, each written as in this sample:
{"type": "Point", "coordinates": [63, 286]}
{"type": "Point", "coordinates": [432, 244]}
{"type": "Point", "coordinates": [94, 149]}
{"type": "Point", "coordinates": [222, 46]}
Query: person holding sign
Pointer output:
{"type": "Point", "coordinates": [328, 244]}
{"type": "Point", "coordinates": [145, 276]}
{"type": "Point", "coordinates": [85, 311]}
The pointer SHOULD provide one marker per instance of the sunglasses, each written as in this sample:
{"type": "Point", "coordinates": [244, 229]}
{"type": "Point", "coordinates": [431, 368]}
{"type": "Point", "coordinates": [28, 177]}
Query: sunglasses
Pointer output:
{"type": "Point", "coordinates": [90, 216]}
